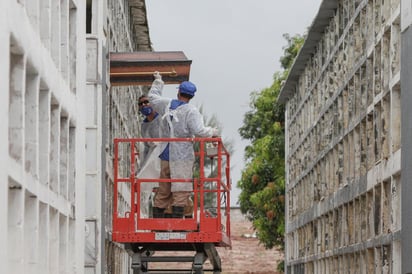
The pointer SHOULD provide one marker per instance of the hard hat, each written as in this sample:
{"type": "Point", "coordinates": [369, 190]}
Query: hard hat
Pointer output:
{"type": "Point", "coordinates": [187, 87]}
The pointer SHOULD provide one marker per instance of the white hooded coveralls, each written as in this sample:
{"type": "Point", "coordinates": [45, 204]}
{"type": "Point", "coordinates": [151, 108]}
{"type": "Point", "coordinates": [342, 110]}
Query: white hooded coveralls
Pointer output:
{"type": "Point", "coordinates": [183, 122]}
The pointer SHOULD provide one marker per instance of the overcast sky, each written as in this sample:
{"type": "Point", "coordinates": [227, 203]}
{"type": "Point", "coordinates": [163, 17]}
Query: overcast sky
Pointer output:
{"type": "Point", "coordinates": [235, 47]}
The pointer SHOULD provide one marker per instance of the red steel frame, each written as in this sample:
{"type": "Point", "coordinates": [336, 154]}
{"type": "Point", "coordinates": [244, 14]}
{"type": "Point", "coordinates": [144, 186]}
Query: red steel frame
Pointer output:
{"type": "Point", "coordinates": [202, 228]}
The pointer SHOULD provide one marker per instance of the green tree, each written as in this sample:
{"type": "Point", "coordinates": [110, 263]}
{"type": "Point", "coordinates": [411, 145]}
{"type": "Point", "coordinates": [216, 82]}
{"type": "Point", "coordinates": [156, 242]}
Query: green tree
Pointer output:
{"type": "Point", "coordinates": [262, 183]}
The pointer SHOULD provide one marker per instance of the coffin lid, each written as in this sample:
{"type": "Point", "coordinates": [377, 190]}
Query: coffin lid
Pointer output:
{"type": "Point", "coordinates": [137, 68]}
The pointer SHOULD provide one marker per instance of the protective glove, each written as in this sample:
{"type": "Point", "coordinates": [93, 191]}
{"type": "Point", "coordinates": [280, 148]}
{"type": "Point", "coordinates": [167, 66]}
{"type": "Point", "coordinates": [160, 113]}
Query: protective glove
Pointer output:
{"type": "Point", "coordinates": [215, 132]}
{"type": "Point", "coordinates": [157, 75]}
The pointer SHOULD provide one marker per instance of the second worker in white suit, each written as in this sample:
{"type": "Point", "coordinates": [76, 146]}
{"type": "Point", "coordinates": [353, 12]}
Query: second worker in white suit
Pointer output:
{"type": "Point", "coordinates": [180, 120]}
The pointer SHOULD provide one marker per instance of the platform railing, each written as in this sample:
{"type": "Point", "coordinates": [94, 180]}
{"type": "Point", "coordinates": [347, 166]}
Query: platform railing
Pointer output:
{"type": "Point", "coordinates": [132, 195]}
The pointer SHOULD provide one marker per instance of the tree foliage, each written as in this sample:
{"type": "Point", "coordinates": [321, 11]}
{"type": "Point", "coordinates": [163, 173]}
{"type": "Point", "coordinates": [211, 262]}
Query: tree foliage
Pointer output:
{"type": "Point", "coordinates": [262, 183]}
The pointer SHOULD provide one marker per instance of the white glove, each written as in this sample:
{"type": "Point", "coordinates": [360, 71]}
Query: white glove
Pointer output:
{"type": "Point", "coordinates": [157, 75]}
{"type": "Point", "coordinates": [215, 132]}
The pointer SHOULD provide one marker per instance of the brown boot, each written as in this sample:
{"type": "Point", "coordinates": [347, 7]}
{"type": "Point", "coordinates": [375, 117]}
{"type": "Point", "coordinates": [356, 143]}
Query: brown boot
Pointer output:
{"type": "Point", "coordinates": [158, 212]}
{"type": "Point", "coordinates": [177, 212]}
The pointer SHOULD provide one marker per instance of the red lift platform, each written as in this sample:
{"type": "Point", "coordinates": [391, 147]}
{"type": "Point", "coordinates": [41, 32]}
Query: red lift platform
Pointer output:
{"type": "Point", "coordinates": [155, 243]}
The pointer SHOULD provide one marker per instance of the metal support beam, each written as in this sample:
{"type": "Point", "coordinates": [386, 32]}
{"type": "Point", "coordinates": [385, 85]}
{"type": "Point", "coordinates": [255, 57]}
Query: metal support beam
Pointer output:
{"type": "Point", "coordinates": [214, 258]}
{"type": "Point", "coordinates": [137, 261]}
{"type": "Point", "coordinates": [198, 262]}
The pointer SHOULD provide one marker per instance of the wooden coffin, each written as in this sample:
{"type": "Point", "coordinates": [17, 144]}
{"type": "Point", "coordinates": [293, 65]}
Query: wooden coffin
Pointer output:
{"type": "Point", "coordinates": [137, 68]}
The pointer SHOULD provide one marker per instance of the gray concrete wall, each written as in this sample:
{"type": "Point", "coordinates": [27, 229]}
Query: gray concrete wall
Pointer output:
{"type": "Point", "coordinates": [343, 109]}
{"type": "Point", "coordinates": [42, 136]}
{"type": "Point", "coordinates": [406, 86]}
{"type": "Point", "coordinates": [112, 112]}
{"type": "Point", "coordinates": [55, 214]}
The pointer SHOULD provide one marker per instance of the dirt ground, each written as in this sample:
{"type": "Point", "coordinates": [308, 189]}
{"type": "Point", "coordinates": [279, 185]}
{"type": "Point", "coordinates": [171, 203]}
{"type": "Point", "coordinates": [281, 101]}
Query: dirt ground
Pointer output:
{"type": "Point", "coordinates": [246, 255]}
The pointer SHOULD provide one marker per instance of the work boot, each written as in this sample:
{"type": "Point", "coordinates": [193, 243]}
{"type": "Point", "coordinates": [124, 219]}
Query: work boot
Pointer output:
{"type": "Point", "coordinates": [177, 212]}
{"type": "Point", "coordinates": [158, 212]}
{"type": "Point", "coordinates": [168, 212]}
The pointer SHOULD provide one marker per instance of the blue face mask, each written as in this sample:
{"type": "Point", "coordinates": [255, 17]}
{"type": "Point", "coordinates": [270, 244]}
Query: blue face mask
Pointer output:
{"type": "Point", "coordinates": [146, 110]}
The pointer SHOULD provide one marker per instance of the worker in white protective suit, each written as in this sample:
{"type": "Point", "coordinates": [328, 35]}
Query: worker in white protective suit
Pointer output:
{"type": "Point", "coordinates": [179, 120]}
{"type": "Point", "coordinates": [150, 127]}
{"type": "Point", "coordinates": [149, 159]}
